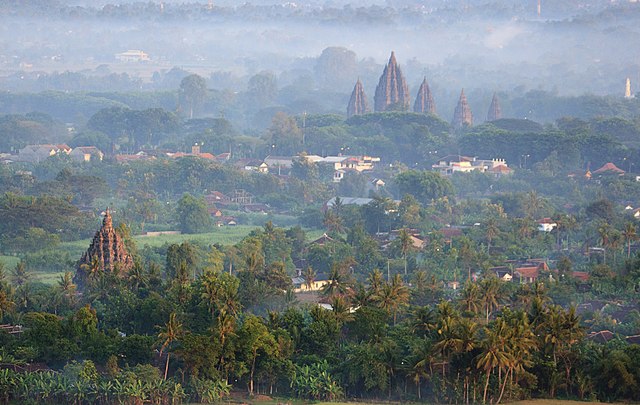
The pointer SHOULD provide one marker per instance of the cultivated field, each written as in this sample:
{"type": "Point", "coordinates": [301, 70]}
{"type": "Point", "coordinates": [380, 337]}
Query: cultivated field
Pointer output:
{"type": "Point", "coordinates": [227, 235]}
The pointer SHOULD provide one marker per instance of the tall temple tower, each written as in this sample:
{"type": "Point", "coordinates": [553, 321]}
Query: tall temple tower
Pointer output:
{"type": "Point", "coordinates": [358, 103]}
{"type": "Point", "coordinates": [462, 116]}
{"type": "Point", "coordinates": [392, 91]}
{"type": "Point", "coordinates": [495, 112]}
{"type": "Point", "coordinates": [106, 251]}
{"type": "Point", "coordinates": [424, 100]}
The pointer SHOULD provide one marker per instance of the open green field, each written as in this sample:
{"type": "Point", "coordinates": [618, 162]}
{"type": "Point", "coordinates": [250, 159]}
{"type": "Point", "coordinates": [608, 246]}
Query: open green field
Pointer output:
{"type": "Point", "coordinates": [9, 261]}
{"type": "Point", "coordinates": [228, 235]}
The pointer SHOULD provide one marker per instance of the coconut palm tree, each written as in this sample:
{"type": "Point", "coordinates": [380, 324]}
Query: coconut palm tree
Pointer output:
{"type": "Point", "coordinates": [491, 295]}
{"type": "Point", "coordinates": [494, 352]}
{"type": "Point", "coordinates": [405, 244]}
{"type": "Point", "coordinates": [20, 275]}
{"type": "Point", "coordinates": [491, 232]}
{"type": "Point", "coordinates": [471, 298]}
{"type": "Point", "coordinates": [67, 288]}
{"type": "Point", "coordinates": [339, 283]}
{"type": "Point", "coordinates": [424, 321]}
{"type": "Point", "coordinates": [375, 280]}
{"type": "Point", "coordinates": [309, 277]}
{"type": "Point", "coordinates": [341, 310]}
{"type": "Point", "coordinates": [6, 302]}
{"type": "Point", "coordinates": [604, 235]}
{"type": "Point", "coordinates": [171, 332]}
{"type": "Point", "coordinates": [630, 234]}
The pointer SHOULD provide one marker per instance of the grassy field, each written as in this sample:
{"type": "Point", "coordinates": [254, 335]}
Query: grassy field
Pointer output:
{"type": "Point", "coordinates": [227, 235]}
{"type": "Point", "coordinates": [9, 261]}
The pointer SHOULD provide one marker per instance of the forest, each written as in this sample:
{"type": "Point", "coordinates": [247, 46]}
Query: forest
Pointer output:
{"type": "Point", "coordinates": [414, 303]}
{"type": "Point", "coordinates": [193, 209]}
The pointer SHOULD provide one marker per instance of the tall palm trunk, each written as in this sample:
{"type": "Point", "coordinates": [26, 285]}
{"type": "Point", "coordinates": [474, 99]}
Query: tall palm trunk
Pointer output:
{"type": "Point", "coordinates": [486, 387]}
{"type": "Point", "coordinates": [166, 367]}
{"type": "Point", "coordinates": [504, 384]}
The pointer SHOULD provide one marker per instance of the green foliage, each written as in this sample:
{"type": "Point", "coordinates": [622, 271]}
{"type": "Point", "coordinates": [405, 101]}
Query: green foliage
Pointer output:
{"type": "Point", "coordinates": [425, 186]}
{"type": "Point", "coordinates": [193, 216]}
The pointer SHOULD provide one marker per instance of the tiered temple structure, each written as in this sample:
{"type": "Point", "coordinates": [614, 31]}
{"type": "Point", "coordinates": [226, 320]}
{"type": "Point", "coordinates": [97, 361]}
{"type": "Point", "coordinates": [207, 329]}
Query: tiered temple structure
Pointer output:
{"type": "Point", "coordinates": [392, 91]}
{"type": "Point", "coordinates": [495, 112]}
{"type": "Point", "coordinates": [424, 100]}
{"type": "Point", "coordinates": [462, 116]}
{"type": "Point", "coordinates": [106, 251]}
{"type": "Point", "coordinates": [358, 102]}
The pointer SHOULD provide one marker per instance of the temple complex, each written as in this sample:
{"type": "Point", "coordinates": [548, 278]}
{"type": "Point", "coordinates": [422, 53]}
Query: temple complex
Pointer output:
{"type": "Point", "coordinates": [424, 100]}
{"type": "Point", "coordinates": [358, 104]}
{"type": "Point", "coordinates": [495, 112]}
{"type": "Point", "coordinates": [462, 116]}
{"type": "Point", "coordinates": [392, 91]}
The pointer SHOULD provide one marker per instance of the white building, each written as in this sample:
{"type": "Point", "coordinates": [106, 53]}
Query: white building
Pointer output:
{"type": "Point", "coordinates": [133, 55]}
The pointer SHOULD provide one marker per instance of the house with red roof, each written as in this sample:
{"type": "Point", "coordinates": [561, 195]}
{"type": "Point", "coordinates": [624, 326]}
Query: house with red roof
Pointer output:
{"type": "Point", "coordinates": [609, 169]}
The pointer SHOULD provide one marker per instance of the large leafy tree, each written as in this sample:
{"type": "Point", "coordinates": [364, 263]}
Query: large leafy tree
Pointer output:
{"type": "Point", "coordinates": [193, 91]}
{"type": "Point", "coordinates": [425, 186]}
{"type": "Point", "coordinates": [193, 216]}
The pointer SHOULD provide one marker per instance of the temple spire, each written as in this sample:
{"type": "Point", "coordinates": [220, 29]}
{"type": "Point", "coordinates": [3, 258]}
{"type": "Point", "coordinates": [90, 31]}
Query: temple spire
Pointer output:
{"type": "Point", "coordinates": [495, 112]}
{"type": "Point", "coordinates": [462, 116]}
{"type": "Point", "coordinates": [358, 103]}
{"type": "Point", "coordinates": [424, 100]}
{"type": "Point", "coordinates": [392, 91]}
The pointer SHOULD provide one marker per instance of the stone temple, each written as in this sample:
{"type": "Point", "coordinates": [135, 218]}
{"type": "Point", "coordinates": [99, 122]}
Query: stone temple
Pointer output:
{"type": "Point", "coordinates": [106, 250]}
{"type": "Point", "coordinates": [495, 112]}
{"type": "Point", "coordinates": [424, 100]}
{"type": "Point", "coordinates": [358, 103]}
{"type": "Point", "coordinates": [392, 92]}
{"type": "Point", "coordinates": [462, 116]}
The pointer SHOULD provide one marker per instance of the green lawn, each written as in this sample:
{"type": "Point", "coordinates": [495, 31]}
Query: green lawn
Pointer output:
{"type": "Point", "coordinates": [227, 235]}
{"type": "Point", "coordinates": [9, 262]}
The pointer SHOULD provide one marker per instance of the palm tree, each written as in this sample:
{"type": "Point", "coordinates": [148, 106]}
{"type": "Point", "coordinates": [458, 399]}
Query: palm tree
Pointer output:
{"type": "Point", "coordinates": [172, 331]}
{"type": "Point", "coordinates": [92, 270]}
{"type": "Point", "coordinates": [375, 281]}
{"type": "Point", "coordinates": [490, 288]}
{"type": "Point", "coordinates": [406, 243]}
{"type": "Point", "coordinates": [341, 310]}
{"type": "Point", "coordinates": [491, 232]}
{"type": "Point", "coordinates": [532, 204]}
{"type": "Point", "coordinates": [494, 352]}
{"type": "Point", "coordinates": [338, 283]}
{"type": "Point", "coordinates": [6, 302]}
{"type": "Point", "coordinates": [333, 222]}
{"type": "Point", "coordinates": [137, 277]}
{"type": "Point", "coordinates": [20, 275]}
{"type": "Point", "coordinates": [393, 296]}
{"type": "Point", "coordinates": [423, 320]}
{"type": "Point", "coordinates": [629, 233]}
{"type": "Point", "coordinates": [448, 342]}
{"type": "Point", "coordinates": [604, 234]}
{"type": "Point", "coordinates": [520, 343]}
{"type": "Point", "coordinates": [67, 288]}
{"type": "Point", "coordinates": [309, 277]}
{"type": "Point", "coordinates": [422, 360]}
{"type": "Point", "coordinates": [467, 255]}
{"type": "Point", "coordinates": [471, 298]}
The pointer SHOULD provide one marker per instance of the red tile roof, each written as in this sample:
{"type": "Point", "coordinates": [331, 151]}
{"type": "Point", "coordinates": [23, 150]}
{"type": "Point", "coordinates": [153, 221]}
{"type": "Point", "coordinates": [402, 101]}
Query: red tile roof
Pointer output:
{"type": "Point", "coordinates": [609, 167]}
{"type": "Point", "coordinates": [528, 272]}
